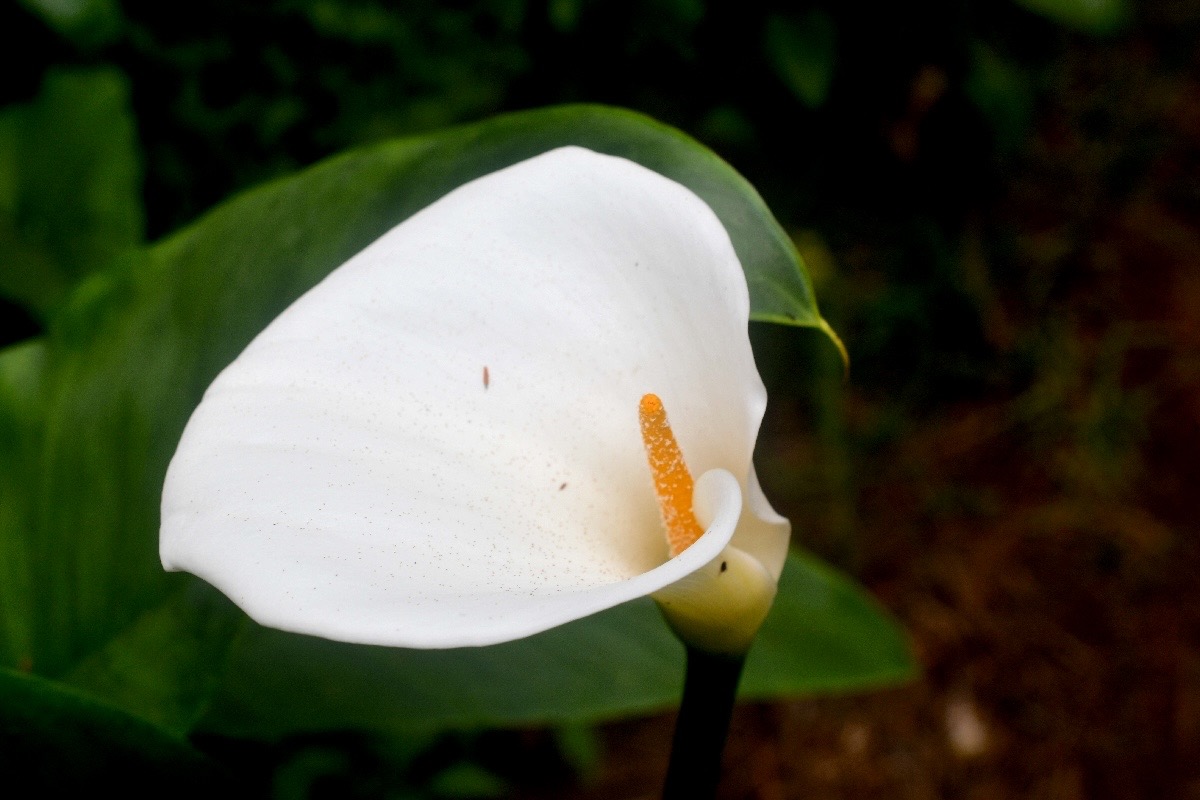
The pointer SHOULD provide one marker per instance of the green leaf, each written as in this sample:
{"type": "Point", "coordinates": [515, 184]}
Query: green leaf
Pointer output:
{"type": "Point", "coordinates": [129, 356]}
{"type": "Point", "coordinates": [803, 53]}
{"type": "Point", "coordinates": [87, 23]}
{"type": "Point", "coordinates": [21, 390]}
{"type": "Point", "coordinates": [22, 369]}
{"type": "Point", "coordinates": [167, 665]}
{"type": "Point", "coordinates": [823, 634]}
{"type": "Point", "coordinates": [467, 780]}
{"type": "Point", "coordinates": [87, 515]}
{"type": "Point", "coordinates": [1090, 16]}
{"type": "Point", "coordinates": [400, 177]}
{"type": "Point", "coordinates": [1003, 91]}
{"type": "Point", "coordinates": [67, 744]}
{"type": "Point", "coordinates": [70, 185]}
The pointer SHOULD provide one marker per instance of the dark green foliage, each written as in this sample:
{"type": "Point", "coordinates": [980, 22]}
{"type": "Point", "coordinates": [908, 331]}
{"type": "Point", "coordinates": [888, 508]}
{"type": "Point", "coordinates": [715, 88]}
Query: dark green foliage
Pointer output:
{"type": "Point", "coordinates": [70, 185]}
{"type": "Point", "coordinates": [60, 742]}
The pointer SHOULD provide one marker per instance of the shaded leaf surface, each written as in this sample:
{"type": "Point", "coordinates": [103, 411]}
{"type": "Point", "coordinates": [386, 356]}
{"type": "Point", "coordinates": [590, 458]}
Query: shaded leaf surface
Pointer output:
{"type": "Point", "coordinates": [1090, 16]}
{"type": "Point", "coordinates": [165, 666]}
{"type": "Point", "coordinates": [70, 185]}
{"type": "Point", "coordinates": [61, 741]}
{"type": "Point", "coordinates": [803, 51]}
{"type": "Point", "coordinates": [823, 634]}
{"type": "Point", "coordinates": [21, 387]}
{"type": "Point", "coordinates": [88, 23]}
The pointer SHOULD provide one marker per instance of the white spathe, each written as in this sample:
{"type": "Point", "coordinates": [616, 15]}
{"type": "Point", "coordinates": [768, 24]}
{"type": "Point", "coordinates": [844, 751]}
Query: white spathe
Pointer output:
{"type": "Point", "coordinates": [438, 445]}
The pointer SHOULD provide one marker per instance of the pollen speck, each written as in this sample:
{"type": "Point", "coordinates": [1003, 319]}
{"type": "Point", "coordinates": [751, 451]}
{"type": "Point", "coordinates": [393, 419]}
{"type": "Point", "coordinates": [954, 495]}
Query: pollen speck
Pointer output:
{"type": "Point", "coordinates": [673, 483]}
{"type": "Point", "coordinates": [486, 378]}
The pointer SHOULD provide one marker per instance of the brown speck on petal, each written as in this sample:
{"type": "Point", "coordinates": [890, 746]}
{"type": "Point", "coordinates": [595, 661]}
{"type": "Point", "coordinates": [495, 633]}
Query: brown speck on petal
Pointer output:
{"type": "Point", "coordinates": [486, 378]}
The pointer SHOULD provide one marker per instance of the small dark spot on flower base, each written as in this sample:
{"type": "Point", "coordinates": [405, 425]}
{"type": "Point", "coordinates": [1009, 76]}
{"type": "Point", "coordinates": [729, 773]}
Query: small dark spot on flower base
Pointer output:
{"type": "Point", "coordinates": [487, 379]}
{"type": "Point", "coordinates": [724, 566]}
{"type": "Point", "coordinates": [562, 486]}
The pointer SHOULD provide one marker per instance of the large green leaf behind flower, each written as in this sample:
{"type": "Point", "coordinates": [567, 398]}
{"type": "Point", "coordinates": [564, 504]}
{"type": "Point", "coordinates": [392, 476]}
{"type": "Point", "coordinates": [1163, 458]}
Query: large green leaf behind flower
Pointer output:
{"type": "Point", "coordinates": [59, 742]}
{"type": "Point", "coordinates": [822, 635]}
{"type": "Point", "coordinates": [127, 360]}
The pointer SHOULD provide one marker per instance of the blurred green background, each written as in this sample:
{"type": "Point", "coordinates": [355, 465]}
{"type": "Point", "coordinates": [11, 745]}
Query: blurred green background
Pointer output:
{"type": "Point", "coordinates": [998, 205]}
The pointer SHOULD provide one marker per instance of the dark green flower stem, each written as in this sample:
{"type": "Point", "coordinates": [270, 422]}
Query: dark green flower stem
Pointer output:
{"type": "Point", "coordinates": [709, 691]}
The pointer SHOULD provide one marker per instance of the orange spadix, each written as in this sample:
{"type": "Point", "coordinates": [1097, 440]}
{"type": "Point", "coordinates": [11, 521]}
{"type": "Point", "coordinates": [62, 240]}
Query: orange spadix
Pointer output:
{"type": "Point", "coordinates": [672, 482]}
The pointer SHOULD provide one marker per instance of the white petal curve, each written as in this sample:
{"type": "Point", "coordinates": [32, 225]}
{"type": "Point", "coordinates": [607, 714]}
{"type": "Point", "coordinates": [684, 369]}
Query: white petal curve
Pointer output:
{"type": "Point", "coordinates": [438, 445]}
{"type": "Point", "coordinates": [762, 532]}
{"type": "Point", "coordinates": [719, 606]}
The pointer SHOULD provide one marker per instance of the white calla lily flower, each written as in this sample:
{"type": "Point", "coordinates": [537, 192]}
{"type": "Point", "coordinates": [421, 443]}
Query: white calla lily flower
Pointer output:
{"type": "Point", "coordinates": [439, 444]}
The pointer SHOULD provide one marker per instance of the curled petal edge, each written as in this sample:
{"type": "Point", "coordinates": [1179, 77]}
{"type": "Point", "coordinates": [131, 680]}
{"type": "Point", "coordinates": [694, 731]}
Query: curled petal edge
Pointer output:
{"type": "Point", "coordinates": [718, 500]}
{"type": "Point", "coordinates": [719, 607]}
{"type": "Point", "coordinates": [695, 601]}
